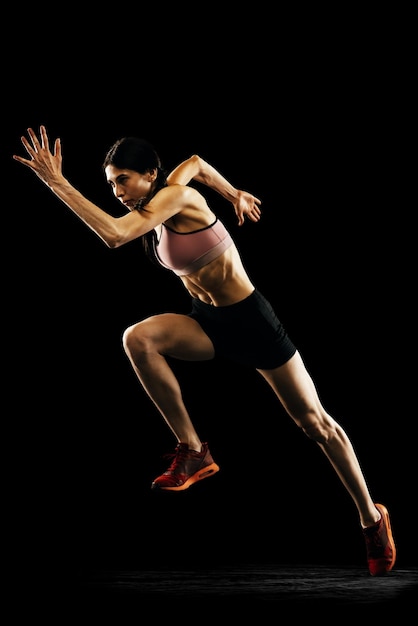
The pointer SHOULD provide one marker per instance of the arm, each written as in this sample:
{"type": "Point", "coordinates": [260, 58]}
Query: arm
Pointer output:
{"type": "Point", "coordinates": [244, 203]}
{"type": "Point", "coordinates": [113, 231]}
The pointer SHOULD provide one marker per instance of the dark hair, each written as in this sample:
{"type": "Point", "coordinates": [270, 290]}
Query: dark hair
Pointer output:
{"type": "Point", "coordinates": [140, 156]}
{"type": "Point", "coordinates": [134, 154]}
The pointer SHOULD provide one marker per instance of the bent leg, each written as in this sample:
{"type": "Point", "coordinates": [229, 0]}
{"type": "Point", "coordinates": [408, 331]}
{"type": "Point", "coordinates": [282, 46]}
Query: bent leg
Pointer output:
{"type": "Point", "coordinates": [147, 344]}
{"type": "Point", "coordinates": [295, 388]}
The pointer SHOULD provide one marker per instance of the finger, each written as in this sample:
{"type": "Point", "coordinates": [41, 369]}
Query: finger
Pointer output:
{"type": "Point", "coordinates": [44, 138]}
{"type": "Point", "coordinates": [57, 148]}
{"type": "Point", "coordinates": [34, 139]}
{"type": "Point", "coordinates": [22, 160]}
{"type": "Point", "coordinates": [28, 147]}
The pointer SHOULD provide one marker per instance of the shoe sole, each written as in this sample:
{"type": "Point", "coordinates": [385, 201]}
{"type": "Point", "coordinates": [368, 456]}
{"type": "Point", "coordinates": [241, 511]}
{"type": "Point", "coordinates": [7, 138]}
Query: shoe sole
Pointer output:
{"type": "Point", "coordinates": [205, 472]}
{"type": "Point", "coordinates": [385, 514]}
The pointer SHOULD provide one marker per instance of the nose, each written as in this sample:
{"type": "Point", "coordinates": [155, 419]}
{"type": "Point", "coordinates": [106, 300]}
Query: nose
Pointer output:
{"type": "Point", "coordinates": [118, 191]}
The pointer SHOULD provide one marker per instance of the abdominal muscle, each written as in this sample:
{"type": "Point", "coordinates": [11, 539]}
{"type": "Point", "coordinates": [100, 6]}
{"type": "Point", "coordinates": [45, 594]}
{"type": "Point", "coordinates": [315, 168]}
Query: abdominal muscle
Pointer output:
{"type": "Point", "coordinates": [222, 282]}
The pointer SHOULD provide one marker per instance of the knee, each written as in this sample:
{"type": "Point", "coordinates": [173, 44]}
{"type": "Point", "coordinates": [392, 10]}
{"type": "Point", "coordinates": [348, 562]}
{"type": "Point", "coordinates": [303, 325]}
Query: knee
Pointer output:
{"type": "Point", "coordinates": [134, 341]}
{"type": "Point", "coordinates": [319, 428]}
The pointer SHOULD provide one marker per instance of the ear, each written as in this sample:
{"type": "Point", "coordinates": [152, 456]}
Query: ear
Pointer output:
{"type": "Point", "coordinates": [152, 175]}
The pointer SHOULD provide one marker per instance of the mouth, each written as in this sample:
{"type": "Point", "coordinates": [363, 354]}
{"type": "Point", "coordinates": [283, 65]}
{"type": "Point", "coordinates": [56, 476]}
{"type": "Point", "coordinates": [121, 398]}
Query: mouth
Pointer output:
{"type": "Point", "coordinates": [129, 203]}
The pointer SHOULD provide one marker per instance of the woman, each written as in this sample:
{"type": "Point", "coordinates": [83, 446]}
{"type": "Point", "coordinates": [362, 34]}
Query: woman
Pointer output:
{"type": "Point", "coordinates": [180, 232]}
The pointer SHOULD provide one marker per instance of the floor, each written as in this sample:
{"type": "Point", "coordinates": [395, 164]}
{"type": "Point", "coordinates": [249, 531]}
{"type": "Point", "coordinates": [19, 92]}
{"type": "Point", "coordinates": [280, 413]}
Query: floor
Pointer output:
{"type": "Point", "coordinates": [319, 590]}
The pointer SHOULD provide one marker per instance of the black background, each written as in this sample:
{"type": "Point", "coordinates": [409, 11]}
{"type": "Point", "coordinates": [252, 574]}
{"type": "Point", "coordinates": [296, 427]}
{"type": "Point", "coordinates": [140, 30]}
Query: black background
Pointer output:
{"type": "Point", "coordinates": [315, 119]}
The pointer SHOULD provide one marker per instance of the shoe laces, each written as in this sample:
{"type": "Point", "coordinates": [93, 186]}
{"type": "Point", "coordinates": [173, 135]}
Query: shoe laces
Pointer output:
{"type": "Point", "coordinates": [180, 454]}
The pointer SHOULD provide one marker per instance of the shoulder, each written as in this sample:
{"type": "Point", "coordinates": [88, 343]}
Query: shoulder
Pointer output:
{"type": "Point", "coordinates": [175, 200]}
{"type": "Point", "coordinates": [180, 193]}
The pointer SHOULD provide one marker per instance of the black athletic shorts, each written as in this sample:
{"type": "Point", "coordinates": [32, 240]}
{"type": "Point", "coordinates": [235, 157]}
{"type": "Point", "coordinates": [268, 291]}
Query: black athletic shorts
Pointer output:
{"type": "Point", "coordinates": [248, 332]}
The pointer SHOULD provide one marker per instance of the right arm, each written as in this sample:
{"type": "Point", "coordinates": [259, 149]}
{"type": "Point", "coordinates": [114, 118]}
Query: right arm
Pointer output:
{"type": "Point", "coordinates": [113, 231]}
{"type": "Point", "coordinates": [196, 168]}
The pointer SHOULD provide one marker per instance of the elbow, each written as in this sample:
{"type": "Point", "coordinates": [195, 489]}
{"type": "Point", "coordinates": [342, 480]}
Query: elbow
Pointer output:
{"type": "Point", "coordinates": [114, 238]}
{"type": "Point", "coordinates": [202, 172]}
{"type": "Point", "coordinates": [197, 162]}
{"type": "Point", "coordinates": [114, 242]}
{"type": "Point", "coordinates": [194, 166]}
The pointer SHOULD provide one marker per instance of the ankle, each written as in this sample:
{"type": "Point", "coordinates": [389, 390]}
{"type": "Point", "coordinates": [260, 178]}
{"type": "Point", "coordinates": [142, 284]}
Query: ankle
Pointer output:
{"type": "Point", "coordinates": [193, 445]}
{"type": "Point", "coordinates": [373, 518]}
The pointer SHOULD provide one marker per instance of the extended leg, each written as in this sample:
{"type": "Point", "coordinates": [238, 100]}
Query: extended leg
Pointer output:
{"type": "Point", "coordinates": [295, 389]}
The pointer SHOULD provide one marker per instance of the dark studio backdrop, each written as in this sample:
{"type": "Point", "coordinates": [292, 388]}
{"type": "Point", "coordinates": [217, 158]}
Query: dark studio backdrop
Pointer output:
{"type": "Point", "coordinates": [322, 141]}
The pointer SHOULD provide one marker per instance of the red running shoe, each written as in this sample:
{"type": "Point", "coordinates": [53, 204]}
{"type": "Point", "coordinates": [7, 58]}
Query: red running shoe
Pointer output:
{"type": "Point", "coordinates": [381, 550]}
{"type": "Point", "coordinates": [187, 467]}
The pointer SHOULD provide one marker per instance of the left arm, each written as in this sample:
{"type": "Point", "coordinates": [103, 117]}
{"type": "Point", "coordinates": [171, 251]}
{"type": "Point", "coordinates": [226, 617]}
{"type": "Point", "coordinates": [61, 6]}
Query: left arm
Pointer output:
{"type": "Point", "coordinates": [196, 168]}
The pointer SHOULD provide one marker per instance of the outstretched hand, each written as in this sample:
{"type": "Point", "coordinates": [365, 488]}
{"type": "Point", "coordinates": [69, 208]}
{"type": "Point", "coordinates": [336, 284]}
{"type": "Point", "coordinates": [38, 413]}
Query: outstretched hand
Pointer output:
{"type": "Point", "coordinates": [247, 205]}
{"type": "Point", "coordinates": [46, 165]}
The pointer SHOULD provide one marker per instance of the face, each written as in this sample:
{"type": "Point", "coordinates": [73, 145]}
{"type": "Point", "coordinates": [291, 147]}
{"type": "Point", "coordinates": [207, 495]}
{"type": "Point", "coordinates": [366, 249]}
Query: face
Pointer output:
{"type": "Point", "coordinates": [129, 186]}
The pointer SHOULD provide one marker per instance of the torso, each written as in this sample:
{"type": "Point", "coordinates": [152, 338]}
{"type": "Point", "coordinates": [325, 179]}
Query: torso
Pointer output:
{"type": "Point", "coordinates": [186, 252]}
{"type": "Point", "coordinates": [207, 261]}
{"type": "Point", "coordinates": [222, 280]}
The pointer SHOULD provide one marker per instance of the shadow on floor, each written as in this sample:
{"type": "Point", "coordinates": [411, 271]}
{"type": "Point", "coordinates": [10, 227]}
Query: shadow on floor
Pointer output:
{"type": "Point", "coordinates": [302, 587]}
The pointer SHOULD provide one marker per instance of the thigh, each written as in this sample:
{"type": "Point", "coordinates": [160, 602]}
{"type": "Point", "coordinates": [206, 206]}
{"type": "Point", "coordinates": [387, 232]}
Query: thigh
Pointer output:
{"type": "Point", "coordinates": [175, 335]}
{"type": "Point", "coordinates": [294, 387]}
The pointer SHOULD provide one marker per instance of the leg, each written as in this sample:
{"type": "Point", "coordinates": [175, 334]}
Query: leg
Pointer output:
{"type": "Point", "coordinates": [146, 344]}
{"type": "Point", "coordinates": [295, 389]}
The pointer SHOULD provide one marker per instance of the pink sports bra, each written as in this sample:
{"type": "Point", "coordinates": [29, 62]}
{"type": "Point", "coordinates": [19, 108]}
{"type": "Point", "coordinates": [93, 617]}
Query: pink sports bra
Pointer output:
{"type": "Point", "coordinates": [185, 253]}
